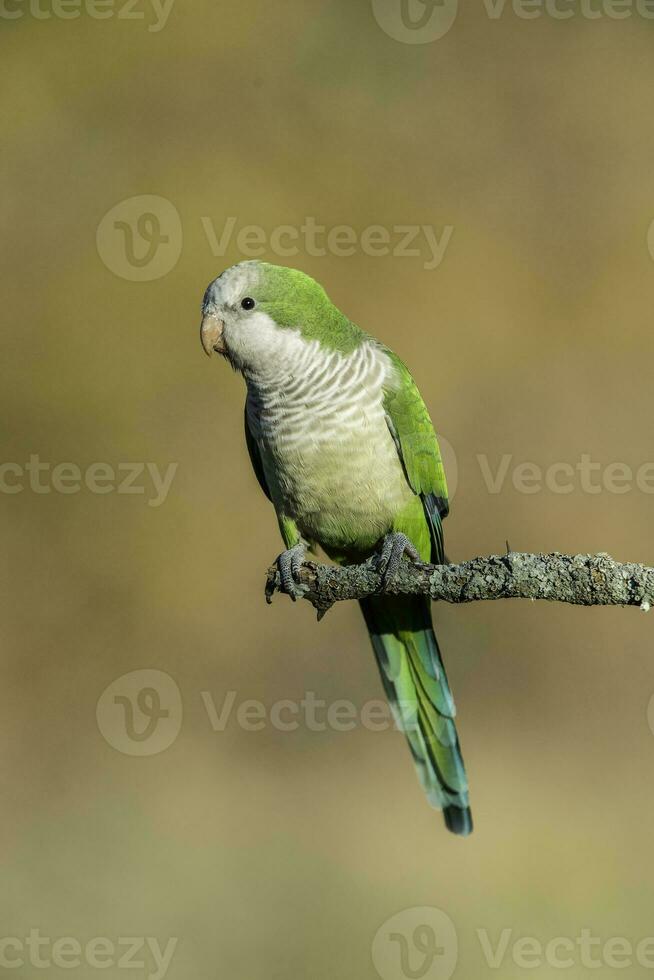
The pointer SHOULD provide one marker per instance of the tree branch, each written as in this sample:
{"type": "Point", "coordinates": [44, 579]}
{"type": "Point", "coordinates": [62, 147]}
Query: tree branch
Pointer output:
{"type": "Point", "coordinates": [584, 580]}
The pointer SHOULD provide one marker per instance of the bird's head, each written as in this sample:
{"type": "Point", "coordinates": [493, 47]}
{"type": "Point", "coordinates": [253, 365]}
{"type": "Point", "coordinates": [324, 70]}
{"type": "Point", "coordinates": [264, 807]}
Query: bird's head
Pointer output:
{"type": "Point", "coordinates": [255, 311]}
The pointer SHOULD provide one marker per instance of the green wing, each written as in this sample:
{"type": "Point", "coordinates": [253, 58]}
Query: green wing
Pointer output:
{"type": "Point", "coordinates": [287, 526]}
{"type": "Point", "coordinates": [400, 626]}
{"type": "Point", "coordinates": [255, 456]}
{"type": "Point", "coordinates": [417, 446]}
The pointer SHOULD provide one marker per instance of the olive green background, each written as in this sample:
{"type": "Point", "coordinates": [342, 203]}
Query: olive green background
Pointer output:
{"type": "Point", "coordinates": [277, 854]}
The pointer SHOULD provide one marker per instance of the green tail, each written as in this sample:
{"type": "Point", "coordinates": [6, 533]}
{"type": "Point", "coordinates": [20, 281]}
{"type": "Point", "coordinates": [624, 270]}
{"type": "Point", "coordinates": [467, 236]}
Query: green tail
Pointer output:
{"type": "Point", "coordinates": [416, 686]}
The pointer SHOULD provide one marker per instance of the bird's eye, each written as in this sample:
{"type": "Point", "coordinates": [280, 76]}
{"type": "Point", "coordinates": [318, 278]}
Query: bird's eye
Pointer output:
{"type": "Point", "coordinates": [248, 303]}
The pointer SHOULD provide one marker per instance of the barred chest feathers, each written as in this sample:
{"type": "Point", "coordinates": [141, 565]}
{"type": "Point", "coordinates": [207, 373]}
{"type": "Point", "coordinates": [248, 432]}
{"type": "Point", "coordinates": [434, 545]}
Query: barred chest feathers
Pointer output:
{"type": "Point", "coordinates": [330, 461]}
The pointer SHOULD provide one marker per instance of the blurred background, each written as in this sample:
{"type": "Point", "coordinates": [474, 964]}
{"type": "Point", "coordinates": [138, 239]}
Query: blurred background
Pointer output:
{"type": "Point", "coordinates": [133, 143]}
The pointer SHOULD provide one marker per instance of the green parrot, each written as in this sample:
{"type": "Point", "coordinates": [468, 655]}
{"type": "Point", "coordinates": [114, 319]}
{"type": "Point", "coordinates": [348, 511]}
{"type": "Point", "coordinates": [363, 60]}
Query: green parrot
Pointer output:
{"type": "Point", "coordinates": [342, 444]}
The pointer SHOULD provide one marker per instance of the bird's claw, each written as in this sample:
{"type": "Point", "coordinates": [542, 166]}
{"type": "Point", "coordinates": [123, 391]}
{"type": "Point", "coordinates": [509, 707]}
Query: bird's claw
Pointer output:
{"type": "Point", "coordinates": [394, 546]}
{"type": "Point", "coordinates": [289, 564]}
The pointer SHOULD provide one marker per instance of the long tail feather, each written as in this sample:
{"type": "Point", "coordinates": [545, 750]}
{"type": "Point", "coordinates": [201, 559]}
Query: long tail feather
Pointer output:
{"type": "Point", "coordinates": [415, 682]}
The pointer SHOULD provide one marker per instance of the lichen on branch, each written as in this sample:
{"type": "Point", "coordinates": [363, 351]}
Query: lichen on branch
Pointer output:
{"type": "Point", "coordinates": [583, 580]}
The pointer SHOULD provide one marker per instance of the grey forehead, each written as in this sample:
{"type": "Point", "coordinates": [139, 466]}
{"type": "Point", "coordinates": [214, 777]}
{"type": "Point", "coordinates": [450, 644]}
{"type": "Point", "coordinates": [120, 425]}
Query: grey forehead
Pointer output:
{"type": "Point", "coordinates": [229, 287]}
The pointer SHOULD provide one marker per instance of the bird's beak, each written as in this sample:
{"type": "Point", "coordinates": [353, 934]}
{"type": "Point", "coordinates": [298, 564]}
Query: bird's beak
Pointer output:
{"type": "Point", "coordinates": [211, 334]}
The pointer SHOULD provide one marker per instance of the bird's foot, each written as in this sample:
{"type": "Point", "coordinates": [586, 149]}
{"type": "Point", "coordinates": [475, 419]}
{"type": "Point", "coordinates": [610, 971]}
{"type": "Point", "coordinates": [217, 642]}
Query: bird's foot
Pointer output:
{"type": "Point", "coordinates": [394, 546]}
{"type": "Point", "coordinates": [289, 564]}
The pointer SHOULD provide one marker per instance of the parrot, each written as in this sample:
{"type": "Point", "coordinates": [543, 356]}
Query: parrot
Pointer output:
{"type": "Point", "coordinates": [343, 446]}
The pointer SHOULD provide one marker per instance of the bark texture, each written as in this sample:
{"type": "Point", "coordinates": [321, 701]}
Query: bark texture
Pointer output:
{"type": "Point", "coordinates": [583, 580]}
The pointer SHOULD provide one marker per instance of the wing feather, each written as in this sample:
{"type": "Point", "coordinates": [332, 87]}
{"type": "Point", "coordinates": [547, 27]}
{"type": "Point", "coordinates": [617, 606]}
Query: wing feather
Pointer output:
{"type": "Point", "coordinates": [417, 445]}
{"type": "Point", "coordinates": [255, 456]}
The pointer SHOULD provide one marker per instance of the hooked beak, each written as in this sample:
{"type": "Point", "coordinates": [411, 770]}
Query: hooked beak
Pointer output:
{"type": "Point", "coordinates": [211, 334]}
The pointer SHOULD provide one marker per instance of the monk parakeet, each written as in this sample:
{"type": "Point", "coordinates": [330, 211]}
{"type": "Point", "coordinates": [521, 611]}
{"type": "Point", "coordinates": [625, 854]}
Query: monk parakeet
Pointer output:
{"type": "Point", "coordinates": [343, 446]}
